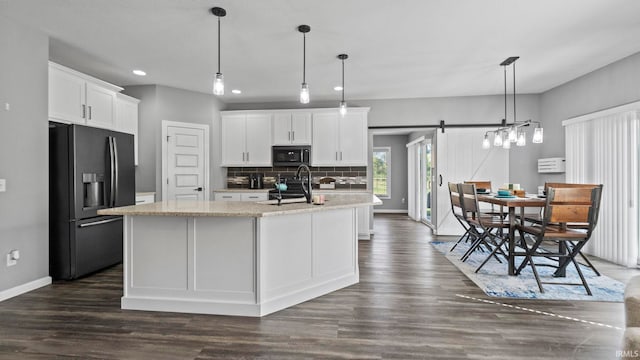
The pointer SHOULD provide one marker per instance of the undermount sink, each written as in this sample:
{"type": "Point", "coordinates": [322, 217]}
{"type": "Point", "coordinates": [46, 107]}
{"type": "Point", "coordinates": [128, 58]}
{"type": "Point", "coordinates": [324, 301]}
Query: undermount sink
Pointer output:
{"type": "Point", "coordinates": [283, 201]}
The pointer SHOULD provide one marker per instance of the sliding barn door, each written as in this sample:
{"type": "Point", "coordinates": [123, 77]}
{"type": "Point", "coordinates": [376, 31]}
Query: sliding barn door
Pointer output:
{"type": "Point", "coordinates": [459, 157]}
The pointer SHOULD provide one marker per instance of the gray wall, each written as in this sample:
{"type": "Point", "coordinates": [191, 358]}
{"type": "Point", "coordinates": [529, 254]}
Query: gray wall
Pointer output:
{"type": "Point", "coordinates": [399, 171]}
{"type": "Point", "coordinates": [610, 86]}
{"type": "Point", "coordinates": [159, 103]}
{"type": "Point", "coordinates": [24, 161]}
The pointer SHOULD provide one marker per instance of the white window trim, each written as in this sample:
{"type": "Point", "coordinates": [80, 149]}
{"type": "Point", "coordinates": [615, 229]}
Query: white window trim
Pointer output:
{"type": "Point", "coordinates": [388, 150]}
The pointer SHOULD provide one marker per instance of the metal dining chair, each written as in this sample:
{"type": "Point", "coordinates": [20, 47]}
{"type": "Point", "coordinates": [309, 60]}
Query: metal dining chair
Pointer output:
{"type": "Point", "coordinates": [456, 210]}
{"type": "Point", "coordinates": [564, 206]}
{"type": "Point", "coordinates": [487, 228]}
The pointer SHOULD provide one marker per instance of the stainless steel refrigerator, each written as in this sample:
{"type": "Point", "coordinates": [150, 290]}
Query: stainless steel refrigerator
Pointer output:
{"type": "Point", "coordinates": [89, 169]}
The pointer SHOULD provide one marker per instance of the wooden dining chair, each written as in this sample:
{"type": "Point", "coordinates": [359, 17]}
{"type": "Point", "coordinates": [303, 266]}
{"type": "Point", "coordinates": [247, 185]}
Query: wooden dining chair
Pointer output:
{"type": "Point", "coordinates": [536, 218]}
{"type": "Point", "coordinates": [456, 210]}
{"type": "Point", "coordinates": [487, 228]}
{"type": "Point", "coordinates": [564, 206]}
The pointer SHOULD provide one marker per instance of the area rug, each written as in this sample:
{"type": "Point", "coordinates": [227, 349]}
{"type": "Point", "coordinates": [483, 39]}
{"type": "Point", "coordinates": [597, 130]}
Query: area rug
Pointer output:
{"type": "Point", "coordinates": [495, 282]}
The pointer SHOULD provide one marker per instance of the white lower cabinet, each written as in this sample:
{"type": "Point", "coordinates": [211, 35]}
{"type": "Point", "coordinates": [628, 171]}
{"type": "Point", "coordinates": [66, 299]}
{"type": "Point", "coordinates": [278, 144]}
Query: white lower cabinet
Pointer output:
{"type": "Point", "coordinates": [145, 198]}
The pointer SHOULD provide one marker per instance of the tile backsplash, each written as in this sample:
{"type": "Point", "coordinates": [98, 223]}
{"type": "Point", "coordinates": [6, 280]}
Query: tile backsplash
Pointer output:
{"type": "Point", "coordinates": [347, 177]}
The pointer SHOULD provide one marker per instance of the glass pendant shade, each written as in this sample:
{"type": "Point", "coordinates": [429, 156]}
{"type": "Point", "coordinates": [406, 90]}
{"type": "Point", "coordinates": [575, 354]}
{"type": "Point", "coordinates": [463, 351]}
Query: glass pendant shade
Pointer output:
{"type": "Point", "coordinates": [497, 139]}
{"type": "Point", "coordinates": [537, 136]}
{"type": "Point", "coordinates": [506, 144]}
{"type": "Point", "coordinates": [513, 134]}
{"type": "Point", "coordinates": [218, 84]}
{"type": "Point", "coordinates": [304, 93]}
{"type": "Point", "coordinates": [522, 139]}
{"type": "Point", "coordinates": [485, 143]}
{"type": "Point", "coordinates": [343, 108]}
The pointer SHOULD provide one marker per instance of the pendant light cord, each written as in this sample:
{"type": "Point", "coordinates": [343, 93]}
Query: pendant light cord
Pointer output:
{"type": "Point", "coordinates": [514, 92]}
{"type": "Point", "coordinates": [342, 80]}
{"type": "Point", "coordinates": [304, 57]}
{"type": "Point", "coordinates": [218, 44]}
{"type": "Point", "coordinates": [505, 92]}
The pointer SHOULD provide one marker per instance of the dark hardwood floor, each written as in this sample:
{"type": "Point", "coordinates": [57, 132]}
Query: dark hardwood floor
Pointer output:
{"type": "Point", "coordinates": [411, 303]}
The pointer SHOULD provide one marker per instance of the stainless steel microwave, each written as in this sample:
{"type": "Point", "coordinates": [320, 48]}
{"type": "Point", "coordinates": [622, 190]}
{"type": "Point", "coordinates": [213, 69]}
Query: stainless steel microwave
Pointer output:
{"type": "Point", "coordinates": [291, 155]}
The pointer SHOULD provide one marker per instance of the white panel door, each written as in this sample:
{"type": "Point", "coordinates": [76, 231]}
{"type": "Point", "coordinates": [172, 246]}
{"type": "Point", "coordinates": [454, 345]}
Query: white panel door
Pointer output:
{"type": "Point", "coordinates": [233, 140]}
{"type": "Point", "coordinates": [185, 163]}
{"type": "Point", "coordinates": [258, 140]}
{"type": "Point", "coordinates": [66, 96]}
{"type": "Point", "coordinates": [301, 128]}
{"type": "Point", "coordinates": [460, 157]}
{"type": "Point", "coordinates": [353, 140]}
{"type": "Point", "coordinates": [101, 106]}
{"type": "Point", "coordinates": [281, 128]}
{"type": "Point", "coordinates": [325, 139]}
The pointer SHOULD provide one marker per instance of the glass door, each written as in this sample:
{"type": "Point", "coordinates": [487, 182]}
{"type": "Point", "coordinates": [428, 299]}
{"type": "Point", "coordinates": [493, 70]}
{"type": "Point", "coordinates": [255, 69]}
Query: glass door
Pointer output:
{"type": "Point", "coordinates": [426, 181]}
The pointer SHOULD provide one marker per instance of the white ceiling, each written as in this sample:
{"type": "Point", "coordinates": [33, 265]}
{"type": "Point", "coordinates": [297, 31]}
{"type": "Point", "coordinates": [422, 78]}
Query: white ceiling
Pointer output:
{"type": "Point", "coordinates": [397, 49]}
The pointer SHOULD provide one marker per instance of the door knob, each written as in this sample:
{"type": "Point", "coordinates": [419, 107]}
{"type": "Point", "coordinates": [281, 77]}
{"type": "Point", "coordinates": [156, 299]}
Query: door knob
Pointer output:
{"type": "Point", "coordinates": [198, 189]}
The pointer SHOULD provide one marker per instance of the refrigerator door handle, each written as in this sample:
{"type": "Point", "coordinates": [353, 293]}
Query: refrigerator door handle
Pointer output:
{"type": "Point", "coordinates": [112, 182]}
{"type": "Point", "coordinates": [100, 222]}
{"type": "Point", "coordinates": [115, 172]}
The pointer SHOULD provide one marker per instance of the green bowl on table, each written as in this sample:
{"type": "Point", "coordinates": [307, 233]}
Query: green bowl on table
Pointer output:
{"type": "Point", "coordinates": [504, 193]}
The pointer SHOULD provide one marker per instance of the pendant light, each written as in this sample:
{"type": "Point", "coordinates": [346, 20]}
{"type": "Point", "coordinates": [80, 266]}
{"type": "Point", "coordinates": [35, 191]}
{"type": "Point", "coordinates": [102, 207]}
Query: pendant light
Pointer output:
{"type": "Point", "coordinates": [505, 135]}
{"type": "Point", "coordinates": [537, 135]}
{"type": "Point", "coordinates": [304, 89]}
{"type": "Point", "coordinates": [218, 82]}
{"type": "Point", "coordinates": [343, 104]}
{"type": "Point", "coordinates": [485, 143]}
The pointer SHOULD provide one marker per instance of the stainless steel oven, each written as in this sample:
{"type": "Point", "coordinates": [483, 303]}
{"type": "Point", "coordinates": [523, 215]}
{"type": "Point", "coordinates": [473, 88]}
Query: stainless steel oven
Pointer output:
{"type": "Point", "coordinates": [291, 155]}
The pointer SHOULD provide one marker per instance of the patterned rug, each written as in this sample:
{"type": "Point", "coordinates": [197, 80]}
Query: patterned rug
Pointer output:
{"type": "Point", "coordinates": [494, 281]}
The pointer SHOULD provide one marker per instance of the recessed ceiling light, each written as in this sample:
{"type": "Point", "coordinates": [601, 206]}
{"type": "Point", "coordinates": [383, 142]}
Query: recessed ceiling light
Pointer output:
{"type": "Point", "coordinates": [236, 91]}
{"type": "Point", "coordinates": [337, 88]}
{"type": "Point", "coordinates": [139, 72]}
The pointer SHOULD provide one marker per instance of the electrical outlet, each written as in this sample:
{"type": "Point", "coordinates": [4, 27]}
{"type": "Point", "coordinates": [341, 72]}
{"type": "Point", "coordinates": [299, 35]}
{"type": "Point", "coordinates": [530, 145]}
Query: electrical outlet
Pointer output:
{"type": "Point", "coordinates": [403, 200]}
{"type": "Point", "coordinates": [11, 261]}
{"type": "Point", "coordinates": [7, 106]}
{"type": "Point", "coordinates": [3, 185]}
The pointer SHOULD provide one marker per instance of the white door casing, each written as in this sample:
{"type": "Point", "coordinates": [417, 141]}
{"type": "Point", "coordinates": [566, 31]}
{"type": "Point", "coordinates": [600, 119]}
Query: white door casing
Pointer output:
{"type": "Point", "coordinates": [185, 161]}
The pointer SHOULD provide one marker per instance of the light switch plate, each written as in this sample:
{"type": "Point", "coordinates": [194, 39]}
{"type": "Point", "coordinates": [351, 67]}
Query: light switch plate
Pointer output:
{"type": "Point", "coordinates": [3, 185]}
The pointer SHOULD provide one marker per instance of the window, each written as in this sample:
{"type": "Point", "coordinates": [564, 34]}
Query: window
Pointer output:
{"type": "Point", "coordinates": [382, 171]}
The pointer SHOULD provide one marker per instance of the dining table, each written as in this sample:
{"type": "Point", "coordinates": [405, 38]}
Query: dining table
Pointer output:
{"type": "Point", "coordinates": [513, 203]}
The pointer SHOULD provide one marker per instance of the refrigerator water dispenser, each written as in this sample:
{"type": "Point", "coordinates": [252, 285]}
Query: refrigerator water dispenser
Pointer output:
{"type": "Point", "coordinates": [93, 185]}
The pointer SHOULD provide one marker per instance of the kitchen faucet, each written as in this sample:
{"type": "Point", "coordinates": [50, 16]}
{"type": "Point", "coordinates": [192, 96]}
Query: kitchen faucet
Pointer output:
{"type": "Point", "coordinates": [306, 189]}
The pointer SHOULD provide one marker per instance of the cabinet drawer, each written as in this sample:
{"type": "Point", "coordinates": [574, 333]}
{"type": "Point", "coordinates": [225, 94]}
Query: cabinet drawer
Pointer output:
{"type": "Point", "coordinates": [254, 197]}
{"type": "Point", "coordinates": [226, 196]}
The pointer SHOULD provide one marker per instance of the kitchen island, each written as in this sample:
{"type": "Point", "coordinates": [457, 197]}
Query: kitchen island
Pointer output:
{"type": "Point", "coordinates": [237, 258]}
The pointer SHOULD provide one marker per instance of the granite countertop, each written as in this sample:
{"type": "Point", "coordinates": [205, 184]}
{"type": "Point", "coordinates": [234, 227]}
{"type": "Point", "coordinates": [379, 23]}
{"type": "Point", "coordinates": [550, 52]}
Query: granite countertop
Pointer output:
{"type": "Point", "coordinates": [241, 208]}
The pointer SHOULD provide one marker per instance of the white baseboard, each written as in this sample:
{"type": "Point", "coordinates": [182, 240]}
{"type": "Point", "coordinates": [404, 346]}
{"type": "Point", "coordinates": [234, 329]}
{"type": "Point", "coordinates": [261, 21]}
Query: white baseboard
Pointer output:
{"type": "Point", "coordinates": [389, 211]}
{"type": "Point", "coordinates": [24, 288]}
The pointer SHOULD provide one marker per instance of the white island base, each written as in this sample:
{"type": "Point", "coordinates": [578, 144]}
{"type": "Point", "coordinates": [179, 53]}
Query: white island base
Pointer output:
{"type": "Point", "coordinates": [230, 265]}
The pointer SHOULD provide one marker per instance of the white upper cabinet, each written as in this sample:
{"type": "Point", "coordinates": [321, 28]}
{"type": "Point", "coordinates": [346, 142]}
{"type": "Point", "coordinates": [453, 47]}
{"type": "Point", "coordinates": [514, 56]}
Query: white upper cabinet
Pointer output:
{"type": "Point", "coordinates": [246, 139]}
{"type": "Point", "coordinates": [127, 118]}
{"type": "Point", "coordinates": [340, 141]}
{"type": "Point", "coordinates": [258, 140]}
{"type": "Point", "coordinates": [292, 128]}
{"type": "Point", "coordinates": [80, 99]}
{"type": "Point", "coordinates": [248, 135]}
